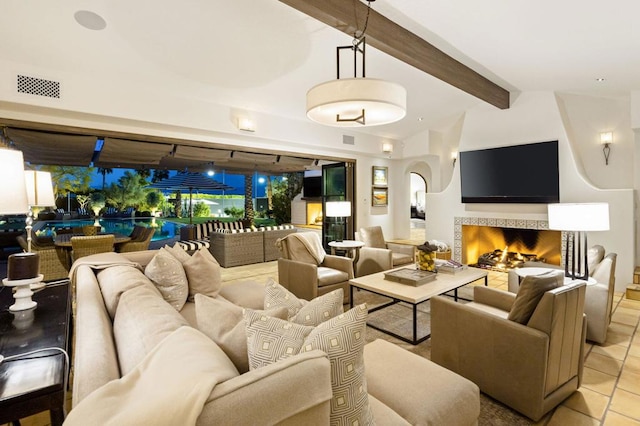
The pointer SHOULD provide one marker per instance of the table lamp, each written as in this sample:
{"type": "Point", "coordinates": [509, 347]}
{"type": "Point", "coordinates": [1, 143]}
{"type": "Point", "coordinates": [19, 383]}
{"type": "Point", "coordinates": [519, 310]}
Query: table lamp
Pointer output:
{"type": "Point", "coordinates": [340, 210]}
{"type": "Point", "coordinates": [39, 194]}
{"type": "Point", "coordinates": [577, 219]}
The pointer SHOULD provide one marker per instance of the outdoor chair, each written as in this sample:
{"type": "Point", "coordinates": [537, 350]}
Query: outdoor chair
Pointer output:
{"type": "Point", "coordinates": [54, 261]}
{"type": "Point", "coordinates": [87, 245]}
{"type": "Point", "coordinates": [139, 243]}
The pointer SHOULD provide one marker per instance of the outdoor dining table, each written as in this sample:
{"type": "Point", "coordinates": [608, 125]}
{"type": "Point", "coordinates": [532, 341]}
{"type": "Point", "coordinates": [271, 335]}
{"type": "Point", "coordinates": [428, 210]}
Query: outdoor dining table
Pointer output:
{"type": "Point", "coordinates": [64, 240]}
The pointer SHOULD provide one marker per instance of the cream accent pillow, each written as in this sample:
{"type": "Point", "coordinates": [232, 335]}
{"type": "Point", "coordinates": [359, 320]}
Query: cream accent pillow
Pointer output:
{"type": "Point", "coordinates": [312, 313]}
{"type": "Point", "coordinates": [166, 272]}
{"type": "Point", "coordinates": [222, 322]}
{"type": "Point", "coordinates": [178, 252]}
{"type": "Point", "coordinates": [531, 290]}
{"type": "Point", "coordinates": [203, 273]}
{"type": "Point", "coordinates": [169, 387]}
{"type": "Point", "coordinates": [342, 338]}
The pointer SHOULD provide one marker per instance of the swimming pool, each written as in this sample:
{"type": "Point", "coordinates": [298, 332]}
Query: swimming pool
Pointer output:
{"type": "Point", "coordinates": [164, 228]}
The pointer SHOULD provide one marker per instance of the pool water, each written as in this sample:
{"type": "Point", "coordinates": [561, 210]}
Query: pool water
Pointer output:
{"type": "Point", "coordinates": [164, 228]}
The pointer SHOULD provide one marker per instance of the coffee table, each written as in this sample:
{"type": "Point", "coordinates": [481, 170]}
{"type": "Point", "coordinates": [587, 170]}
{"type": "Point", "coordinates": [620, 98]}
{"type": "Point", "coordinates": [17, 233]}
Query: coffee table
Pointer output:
{"type": "Point", "coordinates": [414, 295]}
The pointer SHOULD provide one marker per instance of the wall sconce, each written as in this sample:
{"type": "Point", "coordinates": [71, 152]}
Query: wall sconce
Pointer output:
{"type": "Point", "coordinates": [606, 138]}
{"type": "Point", "coordinates": [387, 147]}
{"type": "Point", "coordinates": [454, 157]}
{"type": "Point", "coordinates": [246, 124]}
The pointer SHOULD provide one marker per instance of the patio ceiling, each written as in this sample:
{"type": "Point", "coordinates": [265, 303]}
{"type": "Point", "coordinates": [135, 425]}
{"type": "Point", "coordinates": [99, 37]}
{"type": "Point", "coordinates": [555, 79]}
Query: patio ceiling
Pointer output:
{"type": "Point", "coordinates": [57, 148]}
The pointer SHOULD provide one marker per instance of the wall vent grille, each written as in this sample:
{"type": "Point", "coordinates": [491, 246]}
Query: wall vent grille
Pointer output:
{"type": "Point", "coordinates": [38, 86]}
{"type": "Point", "coordinates": [348, 140]}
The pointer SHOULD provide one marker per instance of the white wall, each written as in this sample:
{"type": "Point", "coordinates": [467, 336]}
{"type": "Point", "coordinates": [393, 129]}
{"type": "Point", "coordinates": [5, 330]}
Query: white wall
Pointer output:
{"type": "Point", "coordinates": [534, 117]}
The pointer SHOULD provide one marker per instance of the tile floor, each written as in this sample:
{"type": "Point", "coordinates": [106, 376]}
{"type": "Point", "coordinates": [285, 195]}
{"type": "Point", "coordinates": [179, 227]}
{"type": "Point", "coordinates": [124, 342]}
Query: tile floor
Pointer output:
{"type": "Point", "coordinates": [610, 392]}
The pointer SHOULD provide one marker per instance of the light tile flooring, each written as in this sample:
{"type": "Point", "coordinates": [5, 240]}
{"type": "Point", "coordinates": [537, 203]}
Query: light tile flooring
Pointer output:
{"type": "Point", "coordinates": [610, 392]}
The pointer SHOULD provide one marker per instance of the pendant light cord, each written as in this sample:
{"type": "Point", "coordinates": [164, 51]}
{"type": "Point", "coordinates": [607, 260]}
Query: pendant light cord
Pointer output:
{"type": "Point", "coordinates": [357, 37]}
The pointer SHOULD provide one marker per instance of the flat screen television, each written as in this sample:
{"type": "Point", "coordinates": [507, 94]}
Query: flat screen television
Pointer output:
{"type": "Point", "coordinates": [513, 174]}
{"type": "Point", "coordinates": [312, 186]}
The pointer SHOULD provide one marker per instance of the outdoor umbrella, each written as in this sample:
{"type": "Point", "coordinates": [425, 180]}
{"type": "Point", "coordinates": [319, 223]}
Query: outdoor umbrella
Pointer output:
{"type": "Point", "coordinates": [189, 181]}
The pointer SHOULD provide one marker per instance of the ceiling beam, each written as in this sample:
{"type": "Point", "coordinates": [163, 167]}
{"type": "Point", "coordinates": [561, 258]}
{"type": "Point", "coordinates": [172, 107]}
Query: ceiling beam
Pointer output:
{"type": "Point", "coordinates": [389, 37]}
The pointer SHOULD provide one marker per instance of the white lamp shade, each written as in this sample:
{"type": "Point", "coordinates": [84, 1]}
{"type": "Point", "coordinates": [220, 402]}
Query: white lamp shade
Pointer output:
{"type": "Point", "coordinates": [13, 191]}
{"type": "Point", "coordinates": [39, 188]}
{"type": "Point", "coordinates": [338, 209]}
{"type": "Point", "coordinates": [579, 216]}
{"type": "Point", "coordinates": [383, 101]}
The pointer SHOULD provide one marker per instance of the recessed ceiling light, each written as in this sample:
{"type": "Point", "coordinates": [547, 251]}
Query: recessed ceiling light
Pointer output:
{"type": "Point", "coordinates": [600, 79]}
{"type": "Point", "coordinates": [90, 20]}
{"type": "Point", "coordinates": [420, 118]}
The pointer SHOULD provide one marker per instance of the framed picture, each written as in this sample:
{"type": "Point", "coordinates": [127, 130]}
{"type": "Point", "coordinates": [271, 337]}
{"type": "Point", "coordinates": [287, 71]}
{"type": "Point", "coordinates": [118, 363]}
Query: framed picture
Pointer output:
{"type": "Point", "coordinates": [380, 176]}
{"type": "Point", "coordinates": [379, 196]}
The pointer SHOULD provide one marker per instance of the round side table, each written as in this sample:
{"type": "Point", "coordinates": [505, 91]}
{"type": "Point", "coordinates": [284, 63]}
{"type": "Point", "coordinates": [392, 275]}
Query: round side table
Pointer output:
{"type": "Point", "coordinates": [350, 247]}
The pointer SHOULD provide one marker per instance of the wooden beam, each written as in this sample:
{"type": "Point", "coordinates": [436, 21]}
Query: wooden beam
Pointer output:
{"type": "Point", "coordinates": [389, 37]}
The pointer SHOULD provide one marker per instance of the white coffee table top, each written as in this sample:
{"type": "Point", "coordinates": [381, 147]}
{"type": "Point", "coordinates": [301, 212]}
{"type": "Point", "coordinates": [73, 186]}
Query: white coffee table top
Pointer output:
{"type": "Point", "coordinates": [417, 294]}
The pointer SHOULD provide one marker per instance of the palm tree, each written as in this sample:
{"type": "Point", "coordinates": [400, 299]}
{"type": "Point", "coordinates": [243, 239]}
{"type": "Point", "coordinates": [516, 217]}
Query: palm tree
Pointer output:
{"type": "Point", "coordinates": [248, 194]}
{"type": "Point", "coordinates": [104, 172]}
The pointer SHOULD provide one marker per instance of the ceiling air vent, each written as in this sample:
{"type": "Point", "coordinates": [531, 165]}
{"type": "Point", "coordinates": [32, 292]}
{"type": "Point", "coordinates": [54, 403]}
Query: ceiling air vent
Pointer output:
{"type": "Point", "coordinates": [38, 86]}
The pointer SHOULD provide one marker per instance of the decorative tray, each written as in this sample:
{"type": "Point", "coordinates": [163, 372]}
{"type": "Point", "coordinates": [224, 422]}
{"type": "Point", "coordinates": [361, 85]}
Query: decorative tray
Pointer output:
{"type": "Point", "coordinates": [414, 277]}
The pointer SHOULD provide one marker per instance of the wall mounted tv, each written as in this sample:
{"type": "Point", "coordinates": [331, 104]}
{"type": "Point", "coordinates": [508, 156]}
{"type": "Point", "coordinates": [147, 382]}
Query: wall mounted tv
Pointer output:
{"type": "Point", "coordinates": [312, 184]}
{"type": "Point", "coordinates": [513, 174]}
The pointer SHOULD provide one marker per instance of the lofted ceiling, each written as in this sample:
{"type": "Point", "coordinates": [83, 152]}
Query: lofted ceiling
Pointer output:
{"type": "Point", "coordinates": [264, 55]}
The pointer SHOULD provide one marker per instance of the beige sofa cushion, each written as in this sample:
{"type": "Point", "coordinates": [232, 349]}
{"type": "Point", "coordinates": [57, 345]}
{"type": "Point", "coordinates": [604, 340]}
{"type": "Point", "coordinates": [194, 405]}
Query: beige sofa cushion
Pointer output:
{"type": "Point", "coordinates": [248, 294]}
{"type": "Point", "coordinates": [301, 311]}
{"type": "Point", "coordinates": [170, 386]}
{"type": "Point", "coordinates": [342, 338]}
{"type": "Point", "coordinates": [142, 320]}
{"type": "Point", "coordinates": [203, 273]}
{"type": "Point", "coordinates": [532, 288]}
{"type": "Point", "coordinates": [116, 280]}
{"type": "Point", "coordinates": [166, 272]}
{"type": "Point", "coordinates": [222, 322]}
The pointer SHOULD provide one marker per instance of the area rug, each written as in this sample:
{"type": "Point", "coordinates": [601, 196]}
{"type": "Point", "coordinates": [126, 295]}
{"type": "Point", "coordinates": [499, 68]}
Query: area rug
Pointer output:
{"type": "Point", "coordinates": [397, 318]}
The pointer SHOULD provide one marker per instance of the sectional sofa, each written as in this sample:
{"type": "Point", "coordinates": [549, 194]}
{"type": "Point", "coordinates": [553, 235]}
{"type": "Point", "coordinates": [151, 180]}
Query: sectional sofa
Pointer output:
{"type": "Point", "coordinates": [121, 317]}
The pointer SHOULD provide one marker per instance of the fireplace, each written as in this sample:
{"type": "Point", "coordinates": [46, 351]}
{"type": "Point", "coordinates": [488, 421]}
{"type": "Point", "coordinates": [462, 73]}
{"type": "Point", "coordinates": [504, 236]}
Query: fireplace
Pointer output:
{"type": "Point", "coordinates": [502, 244]}
{"type": "Point", "coordinates": [314, 213]}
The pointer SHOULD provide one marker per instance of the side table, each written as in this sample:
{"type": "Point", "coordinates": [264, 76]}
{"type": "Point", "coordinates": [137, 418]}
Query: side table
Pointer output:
{"type": "Point", "coordinates": [350, 247]}
{"type": "Point", "coordinates": [526, 271]}
{"type": "Point", "coordinates": [37, 382]}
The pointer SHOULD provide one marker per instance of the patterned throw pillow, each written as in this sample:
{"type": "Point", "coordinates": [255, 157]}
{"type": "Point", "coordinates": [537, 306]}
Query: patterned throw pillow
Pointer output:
{"type": "Point", "coordinates": [312, 313]}
{"type": "Point", "coordinates": [342, 338]}
{"type": "Point", "coordinates": [222, 321]}
{"type": "Point", "coordinates": [166, 272]}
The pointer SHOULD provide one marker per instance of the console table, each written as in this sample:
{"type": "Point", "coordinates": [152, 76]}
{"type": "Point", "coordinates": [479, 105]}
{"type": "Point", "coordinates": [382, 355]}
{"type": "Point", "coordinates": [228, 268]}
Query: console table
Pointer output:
{"type": "Point", "coordinates": [35, 383]}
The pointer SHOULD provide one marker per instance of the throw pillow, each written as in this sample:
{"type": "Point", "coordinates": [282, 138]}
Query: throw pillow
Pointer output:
{"type": "Point", "coordinates": [222, 322]}
{"type": "Point", "coordinates": [166, 272]}
{"type": "Point", "coordinates": [313, 312]}
{"type": "Point", "coordinates": [531, 290]}
{"type": "Point", "coordinates": [342, 338]}
{"type": "Point", "coordinates": [178, 252]}
{"type": "Point", "coordinates": [203, 273]}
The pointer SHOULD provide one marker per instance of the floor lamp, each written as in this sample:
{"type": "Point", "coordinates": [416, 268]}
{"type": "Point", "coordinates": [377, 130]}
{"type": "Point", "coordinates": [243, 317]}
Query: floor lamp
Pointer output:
{"type": "Point", "coordinates": [576, 219]}
{"type": "Point", "coordinates": [338, 210]}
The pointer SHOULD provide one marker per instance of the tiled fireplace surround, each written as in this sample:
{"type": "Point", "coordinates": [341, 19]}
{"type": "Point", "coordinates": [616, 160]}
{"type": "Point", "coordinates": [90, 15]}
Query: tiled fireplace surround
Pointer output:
{"type": "Point", "coordinates": [495, 222]}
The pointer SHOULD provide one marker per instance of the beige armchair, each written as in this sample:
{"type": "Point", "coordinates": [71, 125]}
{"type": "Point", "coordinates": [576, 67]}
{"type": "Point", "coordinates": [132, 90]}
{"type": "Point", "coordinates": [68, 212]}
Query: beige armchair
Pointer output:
{"type": "Point", "coordinates": [378, 255]}
{"type": "Point", "coordinates": [530, 366]}
{"type": "Point", "coordinates": [598, 305]}
{"type": "Point", "coordinates": [301, 273]}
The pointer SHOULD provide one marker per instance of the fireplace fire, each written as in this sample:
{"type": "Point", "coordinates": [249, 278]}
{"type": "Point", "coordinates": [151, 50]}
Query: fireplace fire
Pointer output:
{"type": "Point", "coordinates": [502, 260]}
{"type": "Point", "coordinates": [504, 248]}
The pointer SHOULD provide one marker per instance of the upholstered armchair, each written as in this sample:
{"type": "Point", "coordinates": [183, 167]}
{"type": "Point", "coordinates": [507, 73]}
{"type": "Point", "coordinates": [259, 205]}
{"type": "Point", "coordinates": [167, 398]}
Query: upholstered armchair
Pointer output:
{"type": "Point", "coordinates": [378, 255]}
{"type": "Point", "coordinates": [307, 271]}
{"type": "Point", "coordinates": [530, 363]}
{"type": "Point", "coordinates": [598, 305]}
{"type": "Point", "coordinates": [54, 261]}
